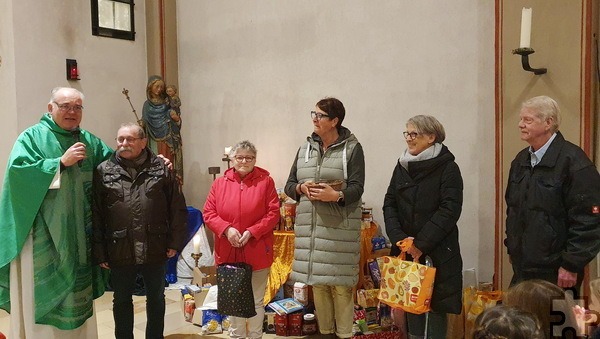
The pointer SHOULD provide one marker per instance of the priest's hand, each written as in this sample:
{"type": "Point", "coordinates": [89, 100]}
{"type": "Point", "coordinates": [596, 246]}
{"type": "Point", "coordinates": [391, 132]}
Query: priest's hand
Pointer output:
{"type": "Point", "coordinates": [167, 161]}
{"type": "Point", "coordinates": [73, 154]}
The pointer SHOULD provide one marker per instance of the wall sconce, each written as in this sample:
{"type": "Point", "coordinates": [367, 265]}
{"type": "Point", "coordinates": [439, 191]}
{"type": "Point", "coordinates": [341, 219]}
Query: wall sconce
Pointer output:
{"type": "Point", "coordinates": [524, 53]}
{"type": "Point", "coordinates": [525, 46]}
{"type": "Point", "coordinates": [72, 71]}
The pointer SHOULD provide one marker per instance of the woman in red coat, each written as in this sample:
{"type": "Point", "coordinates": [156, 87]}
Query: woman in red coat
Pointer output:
{"type": "Point", "coordinates": [242, 209]}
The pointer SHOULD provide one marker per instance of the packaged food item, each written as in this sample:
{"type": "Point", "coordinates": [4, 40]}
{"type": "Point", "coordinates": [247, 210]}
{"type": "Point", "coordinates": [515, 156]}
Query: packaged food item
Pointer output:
{"type": "Point", "coordinates": [225, 323]}
{"type": "Point", "coordinates": [281, 325]}
{"type": "Point", "coordinates": [367, 214]}
{"type": "Point", "coordinates": [301, 293]}
{"type": "Point", "coordinates": [360, 320]}
{"type": "Point", "coordinates": [288, 214]}
{"type": "Point", "coordinates": [378, 243]}
{"type": "Point", "coordinates": [269, 326]}
{"type": "Point", "coordinates": [309, 327]}
{"type": "Point", "coordinates": [368, 283]}
{"type": "Point", "coordinates": [384, 315]}
{"type": "Point", "coordinates": [211, 322]}
{"type": "Point", "coordinates": [367, 298]}
{"type": "Point", "coordinates": [375, 272]}
{"type": "Point", "coordinates": [295, 324]}
{"type": "Point", "coordinates": [371, 315]}
{"type": "Point", "coordinates": [189, 305]}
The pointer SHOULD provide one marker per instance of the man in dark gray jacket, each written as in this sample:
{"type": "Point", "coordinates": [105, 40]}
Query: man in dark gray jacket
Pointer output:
{"type": "Point", "coordinates": [139, 220]}
{"type": "Point", "coordinates": [553, 202]}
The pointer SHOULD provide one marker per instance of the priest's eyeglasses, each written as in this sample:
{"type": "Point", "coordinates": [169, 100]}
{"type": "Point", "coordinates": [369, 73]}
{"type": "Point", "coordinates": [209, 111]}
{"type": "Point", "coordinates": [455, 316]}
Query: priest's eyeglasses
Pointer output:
{"type": "Point", "coordinates": [67, 107]}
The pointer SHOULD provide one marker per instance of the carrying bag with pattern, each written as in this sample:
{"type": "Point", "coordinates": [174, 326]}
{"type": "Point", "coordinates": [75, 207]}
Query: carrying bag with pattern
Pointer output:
{"type": "Point", "coordinates": [235, 297]}
{"type": "Point", "coordinates": [405, 284]}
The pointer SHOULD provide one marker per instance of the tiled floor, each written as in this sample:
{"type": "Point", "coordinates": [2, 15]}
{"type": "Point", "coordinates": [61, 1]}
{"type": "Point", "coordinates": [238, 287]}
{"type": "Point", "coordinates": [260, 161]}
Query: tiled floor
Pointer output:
{"type": "Point", "coordinates": [175, 326]}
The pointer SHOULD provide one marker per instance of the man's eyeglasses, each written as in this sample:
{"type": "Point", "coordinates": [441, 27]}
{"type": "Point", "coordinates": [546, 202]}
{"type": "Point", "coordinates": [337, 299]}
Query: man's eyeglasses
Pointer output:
{"type": "Point", "coordinates": [318, 116]}
{"type": "Point", "coordinates": [410, 135]}
{"type": "Point", "coordinates": [67, 107]}
{"type": "Point", "coordinates": [130, 140]}
{"type": "Point", "coordinates": [241, 158]}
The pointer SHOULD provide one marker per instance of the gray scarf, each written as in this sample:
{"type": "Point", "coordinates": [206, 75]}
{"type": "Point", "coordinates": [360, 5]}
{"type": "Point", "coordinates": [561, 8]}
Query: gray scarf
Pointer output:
{"type": "Point", "coordinates": [132, 166]}
{"type": "Point", "coordinates": [429, 153]}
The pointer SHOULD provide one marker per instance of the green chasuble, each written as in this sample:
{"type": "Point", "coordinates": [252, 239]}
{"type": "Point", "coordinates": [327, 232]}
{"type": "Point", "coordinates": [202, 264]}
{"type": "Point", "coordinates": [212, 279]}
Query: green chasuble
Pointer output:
{"type": "Point", "coordinates": [60, 221]}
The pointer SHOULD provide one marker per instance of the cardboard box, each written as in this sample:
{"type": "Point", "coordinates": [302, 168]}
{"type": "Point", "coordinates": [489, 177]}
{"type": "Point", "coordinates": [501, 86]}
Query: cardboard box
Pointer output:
{"type": "Point", "coordinates": [205, 275]}
{"type": "Point", "coordinates": [197, 317]}
{"type": "Point", "coordinates": [198, 293]}
{"type": "Point", "coordinates": [210, 274]}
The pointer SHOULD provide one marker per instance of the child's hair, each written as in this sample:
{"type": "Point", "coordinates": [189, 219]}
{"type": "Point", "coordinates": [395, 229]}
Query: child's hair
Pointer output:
{"type": "Point", "coordinates": [548, 302]}
{"type": "Point", "coordinates": [173, 87]}
{"type": "Point", "coordinates": [504, 322]}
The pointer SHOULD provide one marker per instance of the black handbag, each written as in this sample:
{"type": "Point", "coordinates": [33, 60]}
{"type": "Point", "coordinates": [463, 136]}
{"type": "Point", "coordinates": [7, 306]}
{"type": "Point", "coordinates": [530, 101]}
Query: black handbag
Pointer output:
{"type": "Point", "coordinates": [235, 296]}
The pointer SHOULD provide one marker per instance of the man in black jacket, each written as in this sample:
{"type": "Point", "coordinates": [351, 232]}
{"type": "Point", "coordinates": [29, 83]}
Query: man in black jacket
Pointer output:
{"type": "Point", "coordinates": [553, 201]}
{"type": "Point", "coordinates": [139, 220]}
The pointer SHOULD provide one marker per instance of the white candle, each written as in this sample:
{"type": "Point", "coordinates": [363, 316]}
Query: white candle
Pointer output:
{"type": "Point", "coordinates": [526, 28]}
{"type": "Point", "coordinates": [227, 150]}
{"type": "Point", "coordinates": [196, 244]}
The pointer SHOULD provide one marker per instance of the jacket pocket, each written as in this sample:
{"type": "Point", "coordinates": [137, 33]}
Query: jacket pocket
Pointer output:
{"type": "Point", "coordinates": [515, 190]}
{"type": "Point", "coordinates": [155, 183]}
{"type": "Point", "coordinates": [157, 235]}
{"type": "Point", "coordinates": [119, 248]}
{"type": "Point", "coordinates": [548, 196]}
{"type": "Point", "coordinates": [539, 242]}
{"type": "Point", "coordinates": [113, 188]}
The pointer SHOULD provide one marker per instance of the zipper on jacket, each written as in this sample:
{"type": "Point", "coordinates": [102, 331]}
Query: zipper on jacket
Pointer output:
{"type": "Point", "coordinates": [313, 218]}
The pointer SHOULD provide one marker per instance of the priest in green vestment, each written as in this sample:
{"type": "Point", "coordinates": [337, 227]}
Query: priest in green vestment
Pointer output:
{"type": "Point", "coordinates": [45, 253]}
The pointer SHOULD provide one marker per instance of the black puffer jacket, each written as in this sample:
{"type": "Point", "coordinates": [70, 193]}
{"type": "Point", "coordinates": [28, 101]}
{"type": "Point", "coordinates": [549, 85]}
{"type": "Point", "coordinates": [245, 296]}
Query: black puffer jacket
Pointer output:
{"type": "Point", "coordinates": [425, 203]}
{"type": "Point", "coordinates": [135, 220]}
{"type": "Point", "coordinates": [553, 210]}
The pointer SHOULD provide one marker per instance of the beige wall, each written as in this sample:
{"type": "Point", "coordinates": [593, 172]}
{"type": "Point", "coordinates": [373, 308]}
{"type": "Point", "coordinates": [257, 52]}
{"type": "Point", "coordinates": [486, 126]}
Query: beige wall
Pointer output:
{"type": "Point", "coordinates": [8, 95]}
{"type": "Point", "coordinates": [254, 69]}
{"type": "Point", "coordinates": [556, 37]}
{"type": "Point", "coordinates": [35, 40]}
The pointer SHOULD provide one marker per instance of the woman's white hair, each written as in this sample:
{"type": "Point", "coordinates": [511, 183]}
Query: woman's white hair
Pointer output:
{"type": "Point", "coordinates": [246, 145]}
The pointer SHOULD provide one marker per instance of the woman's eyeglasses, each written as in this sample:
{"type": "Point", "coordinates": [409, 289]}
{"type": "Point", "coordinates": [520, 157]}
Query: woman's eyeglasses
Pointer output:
{"type": "Point", "coordinates": [318, 116]}
{"type": "Point", "coordinates": [410, 135]}
{"type": "Point", "coordinates": [241, 158]}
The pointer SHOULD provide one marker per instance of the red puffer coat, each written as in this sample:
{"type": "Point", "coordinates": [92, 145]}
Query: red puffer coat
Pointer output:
{"type": "Point", "coordinates": [250, 204]}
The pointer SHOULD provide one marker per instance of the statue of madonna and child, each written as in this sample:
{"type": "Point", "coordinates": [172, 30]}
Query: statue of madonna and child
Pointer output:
{"type": "Point", "coordinates": [161, 119]}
